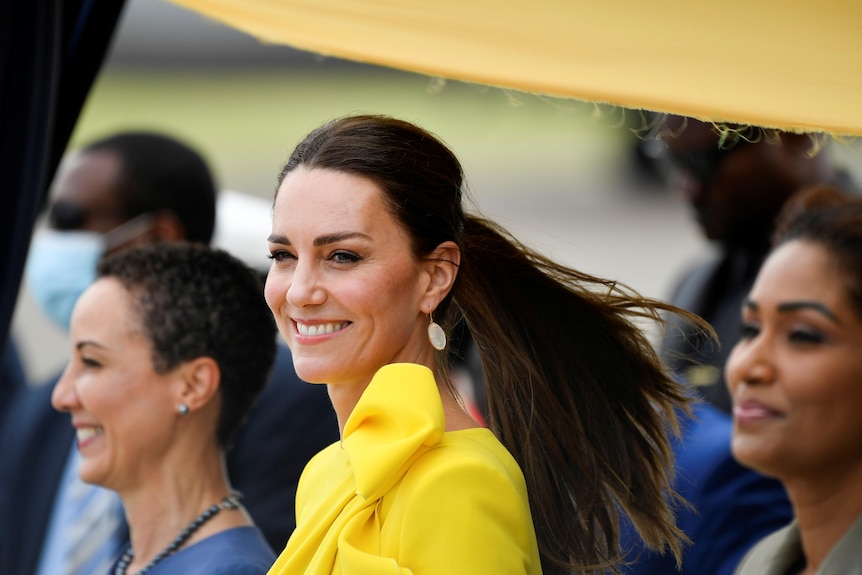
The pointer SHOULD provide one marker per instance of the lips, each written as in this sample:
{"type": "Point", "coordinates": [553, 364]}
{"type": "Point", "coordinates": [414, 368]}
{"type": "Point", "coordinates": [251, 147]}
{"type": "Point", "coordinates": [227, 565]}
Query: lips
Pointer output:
{"type": "Point", "coordinates": [86, 434]}
{"type": "Point", "coordinates": [311, 330]}
{"type": "Point", "coordinates": [749, 411]}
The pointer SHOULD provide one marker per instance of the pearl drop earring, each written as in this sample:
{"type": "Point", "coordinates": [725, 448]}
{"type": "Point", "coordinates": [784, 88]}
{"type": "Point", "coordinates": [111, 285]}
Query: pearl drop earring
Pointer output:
{"type": "Point", "coordinates": [436, 335]}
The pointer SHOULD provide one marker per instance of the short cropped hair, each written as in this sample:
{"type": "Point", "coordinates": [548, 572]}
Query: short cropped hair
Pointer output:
{"type": "Point", "coordinates": [159, 172]}
{"type": "Point", "coordinates": [196, 301]}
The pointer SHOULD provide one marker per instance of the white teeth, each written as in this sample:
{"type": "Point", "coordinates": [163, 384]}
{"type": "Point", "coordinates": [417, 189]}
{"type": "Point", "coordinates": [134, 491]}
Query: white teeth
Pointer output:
{"type": "Point", "coordinates": [321, 329]}
{"type": "Point", "coordinates": [85, 433]}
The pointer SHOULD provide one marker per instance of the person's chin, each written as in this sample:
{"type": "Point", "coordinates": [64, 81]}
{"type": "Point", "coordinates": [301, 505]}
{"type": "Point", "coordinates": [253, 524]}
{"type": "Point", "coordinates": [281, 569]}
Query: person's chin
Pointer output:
{"type": "Point", "coordinates": [92, 472]}
{"type": "Point", "coordinates": [312, 370]}
{"type": "Point", "coordinates": [753, 452]}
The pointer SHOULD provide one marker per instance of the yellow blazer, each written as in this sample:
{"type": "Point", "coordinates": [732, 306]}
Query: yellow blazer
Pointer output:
{"type": "Point", "coordinates": [399, 495]}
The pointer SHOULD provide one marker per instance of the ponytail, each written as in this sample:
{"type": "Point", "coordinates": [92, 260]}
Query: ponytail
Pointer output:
{"type": "Point", "coordinates": [577, 394]}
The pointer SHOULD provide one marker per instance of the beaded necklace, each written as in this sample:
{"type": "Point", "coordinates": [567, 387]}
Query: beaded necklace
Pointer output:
{"type": "Point", "coordinates": [229, 502]}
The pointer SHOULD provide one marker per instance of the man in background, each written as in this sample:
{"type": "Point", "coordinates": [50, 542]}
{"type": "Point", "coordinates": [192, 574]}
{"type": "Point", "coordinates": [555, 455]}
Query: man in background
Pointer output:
{"type": "Point", "coordinates": [736, 180]}
{"type": "Point", "coordinates": [123, 191]}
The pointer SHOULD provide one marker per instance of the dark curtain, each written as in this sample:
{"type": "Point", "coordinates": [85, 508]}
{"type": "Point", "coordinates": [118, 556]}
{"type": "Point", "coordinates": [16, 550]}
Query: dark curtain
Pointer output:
{"type": "Point", "coordinates": [50, 53]}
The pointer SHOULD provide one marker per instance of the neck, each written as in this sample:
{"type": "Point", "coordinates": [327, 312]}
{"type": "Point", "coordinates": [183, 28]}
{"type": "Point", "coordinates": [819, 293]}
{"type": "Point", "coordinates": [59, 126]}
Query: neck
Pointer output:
{"type": "Point", "coordinates": [345, 397]}
{"type": "Point", "coordinates": [159, 510]}
{"type": "Point", "coordinates": [826, 507]}
{"type": "Point", "coordinates": [229, 503]}
{"type": "Point", "coordinates": [456, 416]}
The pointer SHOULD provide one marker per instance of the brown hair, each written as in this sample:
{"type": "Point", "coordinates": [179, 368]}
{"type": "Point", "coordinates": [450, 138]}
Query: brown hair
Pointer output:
{"type": "Point", "coordinates": [576, 392]}
{"type": "Point", "coordinates": [832, 218]}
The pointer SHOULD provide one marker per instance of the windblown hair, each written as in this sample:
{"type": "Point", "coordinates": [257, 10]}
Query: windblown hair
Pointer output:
{"type": "Point", "coordinates": [159, 172]}
{"type": "Point", "coordinates": [576, 392]}
{"type": "Point", "coordinates": [832, 218]}
{"type": "Point", "coordinates": [194, 301]}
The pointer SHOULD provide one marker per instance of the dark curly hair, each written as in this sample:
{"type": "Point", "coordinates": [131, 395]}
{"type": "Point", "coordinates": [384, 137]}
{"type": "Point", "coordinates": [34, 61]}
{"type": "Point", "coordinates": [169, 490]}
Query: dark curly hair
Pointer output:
{"type": "Point", "coordinates": [197, 301]}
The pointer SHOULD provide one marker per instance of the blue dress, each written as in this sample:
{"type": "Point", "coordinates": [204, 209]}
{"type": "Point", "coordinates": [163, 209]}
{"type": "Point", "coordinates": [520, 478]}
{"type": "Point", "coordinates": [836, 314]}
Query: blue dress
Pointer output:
{"type": "Point", "coordinates": [237, 551]}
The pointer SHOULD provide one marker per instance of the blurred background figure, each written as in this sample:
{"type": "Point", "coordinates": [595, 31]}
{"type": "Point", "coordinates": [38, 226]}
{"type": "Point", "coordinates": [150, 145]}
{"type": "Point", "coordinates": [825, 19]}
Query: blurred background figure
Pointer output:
{"type": "Point", "coordinates": [794, 378]}
{"type": "Point", "coordinates": [736, 180]}
{"type": "Point", "coordinates": [118, 192]}
{"type": "Point", "coordinates": [171, 346]}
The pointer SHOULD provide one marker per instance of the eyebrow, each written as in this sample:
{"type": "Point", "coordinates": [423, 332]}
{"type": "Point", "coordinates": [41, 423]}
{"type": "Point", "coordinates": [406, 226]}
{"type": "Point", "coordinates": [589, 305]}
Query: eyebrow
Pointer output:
{"type": "Point", "coordinates": [82, 344]}
{"type": "Point", "coordinates": [321, 240]}
{"type": "Point", "coordinates": [797, 305]}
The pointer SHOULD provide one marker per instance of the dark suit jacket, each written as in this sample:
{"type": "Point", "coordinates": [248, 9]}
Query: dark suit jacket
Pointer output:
{"type": "Point", "coordinates": [291, 421]}
{"type": "Point", "coordinates": [714, 290]}
{"type": "Point", "coordinates": [34, 442]}
{"type": "Point", "coordinates": [734, 506]}
{"type": "Point", "coordinates": [11, 375]}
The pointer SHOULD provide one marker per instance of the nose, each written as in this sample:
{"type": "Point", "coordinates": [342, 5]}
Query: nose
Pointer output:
{"type": "Point", "coordinates": [751, 363]}
{"type": "Point", "coordinates": [64, 396]}
{"type": "Point", "coordinates": [305, 287]}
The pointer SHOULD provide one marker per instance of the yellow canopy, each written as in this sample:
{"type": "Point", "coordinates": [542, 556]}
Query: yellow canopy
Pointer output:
{"type": "Point", "coordinates": [790, 64]}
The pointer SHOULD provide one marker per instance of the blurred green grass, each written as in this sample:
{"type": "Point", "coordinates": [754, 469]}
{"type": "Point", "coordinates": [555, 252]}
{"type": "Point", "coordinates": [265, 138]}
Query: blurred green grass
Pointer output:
{"type": "Point", "coordinates": [247, 121]}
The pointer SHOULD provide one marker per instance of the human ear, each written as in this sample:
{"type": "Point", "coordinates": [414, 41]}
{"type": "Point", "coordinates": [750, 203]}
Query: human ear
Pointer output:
{"type": "Point", "coordinates": [442, 267]}
{"type": "Point", "coordinates": [167, 227]}
{"type": "Point", "coordinates": [199, 381]}
{"type": "Point", "coordinates": [162, 226]}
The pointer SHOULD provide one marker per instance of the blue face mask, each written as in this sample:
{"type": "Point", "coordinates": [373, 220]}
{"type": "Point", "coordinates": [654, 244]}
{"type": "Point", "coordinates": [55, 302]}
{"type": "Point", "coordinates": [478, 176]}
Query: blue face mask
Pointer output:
{"type": "Point", "coordinates": [60, 266]}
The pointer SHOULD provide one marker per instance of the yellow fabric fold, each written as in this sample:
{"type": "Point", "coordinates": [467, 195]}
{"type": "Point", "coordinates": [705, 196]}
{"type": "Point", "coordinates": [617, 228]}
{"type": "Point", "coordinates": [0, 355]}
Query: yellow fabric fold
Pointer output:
{"type": "Point", "coordinates": [397, 418]}
{"type": "Point", "coordinates": [776, 63]}
{"type": "Point", "coordinates": [400, 496]}
{"type": "Point", "coordinates": [400, 414]}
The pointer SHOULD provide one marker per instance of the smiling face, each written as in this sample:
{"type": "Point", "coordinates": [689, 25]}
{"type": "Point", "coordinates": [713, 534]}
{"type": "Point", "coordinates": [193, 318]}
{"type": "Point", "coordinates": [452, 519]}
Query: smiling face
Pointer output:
{"type": "Point", "coordinates": [796, 374]}
{"type": "Point", "coordinates": [347, 292]}
{"type": "Point", "coordinates": [122, 410]}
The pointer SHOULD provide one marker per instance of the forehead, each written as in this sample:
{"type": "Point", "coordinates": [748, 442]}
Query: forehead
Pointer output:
{"type": "Point", "coordinates": [106, 312]}
{"type": "Point", "coordinates": [88, 181]}
{"type": "Point", "coordinates": [800, 270]}
{"type": "Point", "coordinates": [330, 199]}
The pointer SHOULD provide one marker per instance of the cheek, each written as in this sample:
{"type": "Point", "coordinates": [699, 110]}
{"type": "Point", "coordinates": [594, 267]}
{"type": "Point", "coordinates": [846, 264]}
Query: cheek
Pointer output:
{"type": "Point", "coordinates": [827, 423]}
{"type": "Point", "coordinates": [390, 300]}
{"type": "Point", "coordinates": [732, 367]}
{"type": "Point", "coordinates": [274, 291]}
{"type": "Point", "coordinates": [107, 398]}
{"type": "Point", "coordinates": [826, 394]}
{"type": "Point", "coordinates": [825, 398]}
{"type": "Point", "coordinates": [401, 287]}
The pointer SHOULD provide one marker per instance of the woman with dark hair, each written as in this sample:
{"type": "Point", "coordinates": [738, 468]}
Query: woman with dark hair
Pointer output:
{"type": "Point", "coordinates": [170, 348]}
{"type": "Point", "coordinates": [374, 262]}
{"type": "Point", "coordinates": [795, 381]}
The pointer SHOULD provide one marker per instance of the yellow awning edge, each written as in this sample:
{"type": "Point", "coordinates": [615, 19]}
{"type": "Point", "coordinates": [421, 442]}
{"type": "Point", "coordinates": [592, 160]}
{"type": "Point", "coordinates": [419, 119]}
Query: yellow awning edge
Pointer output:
{"type": "Point", "coordinates": [789, 65]}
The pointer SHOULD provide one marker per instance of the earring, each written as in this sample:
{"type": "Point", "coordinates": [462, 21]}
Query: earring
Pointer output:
{"type": "Point", "coordinates": [436, 335]}
{"type": "Point", "coordinates": [183, 409]}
